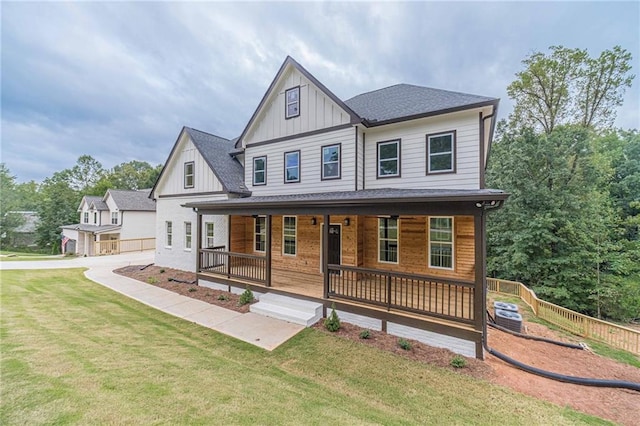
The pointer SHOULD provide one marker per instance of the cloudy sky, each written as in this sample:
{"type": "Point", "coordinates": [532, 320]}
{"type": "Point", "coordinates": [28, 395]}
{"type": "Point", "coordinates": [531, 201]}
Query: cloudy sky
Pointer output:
{"type": "Point", "coordinates": [118, 80]}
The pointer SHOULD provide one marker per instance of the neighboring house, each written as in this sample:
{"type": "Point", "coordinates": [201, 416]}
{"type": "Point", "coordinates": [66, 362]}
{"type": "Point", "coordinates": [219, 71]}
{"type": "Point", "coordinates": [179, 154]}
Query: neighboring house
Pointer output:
{"type": "Point", "coordinates": [119, 221]}
{"type": "Point", "coordinates": [24, 235]}
{"type": "Point", "coordinates": [376, 204]}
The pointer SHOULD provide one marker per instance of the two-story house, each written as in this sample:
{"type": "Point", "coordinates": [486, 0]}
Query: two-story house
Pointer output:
{"type": "Point", "coordinates": [120, 221]}
{"type": "Point", "coordinates": [376, 204]}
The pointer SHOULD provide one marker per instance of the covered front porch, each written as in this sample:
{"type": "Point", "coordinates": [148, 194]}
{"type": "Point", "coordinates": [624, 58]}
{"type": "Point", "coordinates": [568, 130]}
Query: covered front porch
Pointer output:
{"type": "Point", "coordinates": [373, 258]}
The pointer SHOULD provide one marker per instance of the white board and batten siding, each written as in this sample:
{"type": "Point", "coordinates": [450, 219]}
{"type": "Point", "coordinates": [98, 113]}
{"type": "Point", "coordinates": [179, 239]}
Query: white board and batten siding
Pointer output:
{"type": "Point", "coordinates": [414, 152]}
{"type": "Point", "coordinates": [310, 164]}
{"type": "Point", "coordinates": [177, 255]}
{"type": "Point", "coordinates": [204, 180]}
{"type": "Point", "coordinates": [317, 111]}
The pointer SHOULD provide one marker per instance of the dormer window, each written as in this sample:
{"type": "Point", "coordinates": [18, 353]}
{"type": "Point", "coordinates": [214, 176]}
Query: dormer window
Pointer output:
{"type": "Point", "coordinates": [114, 218]}
{"type": "Point", "coordinates": [292, 102]}
{"type": "Point", "coordinates": [188, 174]}
{"type": "Point", "coordinates": [85, 218]}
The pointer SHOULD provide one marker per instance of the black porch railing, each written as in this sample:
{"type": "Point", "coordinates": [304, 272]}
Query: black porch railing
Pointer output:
{"type": "Point", "coordinates": [247, 267]}
{"type": "Point", "coordinates": [408, 292]}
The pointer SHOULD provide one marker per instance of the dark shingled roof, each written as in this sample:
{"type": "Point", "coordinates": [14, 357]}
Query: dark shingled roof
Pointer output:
{"type": "Point", "coordinates": [406, 100]}
{"type": "Point", "coordinates": [132, 200]}
{"type": "Point", "coordinates": [217, 153]}
{"type": "Point", "coordinates": [96, 201]}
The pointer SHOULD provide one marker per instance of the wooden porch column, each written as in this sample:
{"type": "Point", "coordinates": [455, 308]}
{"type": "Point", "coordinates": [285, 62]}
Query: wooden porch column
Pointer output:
{"type": "Point", "coordinates": [198, 242]}
{"type": "Point", "coordinates": [268, 250]}
{"type": "Point", "coordinates": [325, 254]}
{"type": "Point", "coordinates": [480, 294]}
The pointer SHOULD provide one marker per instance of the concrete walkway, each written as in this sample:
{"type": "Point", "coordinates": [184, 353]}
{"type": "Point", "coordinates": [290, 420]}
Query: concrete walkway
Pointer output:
{"type": "Point", "coordinates": [267, 333]}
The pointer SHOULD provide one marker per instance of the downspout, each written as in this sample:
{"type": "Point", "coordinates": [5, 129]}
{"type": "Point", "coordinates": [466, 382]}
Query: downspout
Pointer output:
{"type": "Point", "coordinates": [356, 168]}
{"type": "Point", "coordinates": [364, 160]}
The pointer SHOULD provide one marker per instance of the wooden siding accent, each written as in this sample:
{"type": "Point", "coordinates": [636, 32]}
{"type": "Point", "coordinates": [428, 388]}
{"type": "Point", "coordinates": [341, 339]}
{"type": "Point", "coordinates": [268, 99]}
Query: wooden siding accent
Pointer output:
{"type": "Point", "coordinates": [414, 246]}
{"type": "Point", "coordinates": [317, 111]}
{"type": "Point", "coordinates": [414, 152]}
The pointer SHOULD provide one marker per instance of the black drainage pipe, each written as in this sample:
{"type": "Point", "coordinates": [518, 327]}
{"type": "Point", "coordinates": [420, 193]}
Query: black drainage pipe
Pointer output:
{"type": "Point", "coordinates": [536, 338]}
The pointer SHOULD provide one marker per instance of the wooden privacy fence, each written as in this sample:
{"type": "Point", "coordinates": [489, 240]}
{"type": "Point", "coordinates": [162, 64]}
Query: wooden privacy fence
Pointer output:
{"type": "Point", "coordinates": [574, 322]}
{"type": "Point", "coordinates": [124, 246]}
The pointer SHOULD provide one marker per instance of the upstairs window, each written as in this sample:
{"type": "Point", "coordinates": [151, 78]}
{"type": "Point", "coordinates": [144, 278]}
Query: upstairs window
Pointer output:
{"type": "Point", "coordinates": [168, 226]}
{"type": "Point", "coordinates": [187, 235]}
{"type": "Point", "coordinates": [441, 148]}
{"type": "Point", "coordinates": [289, 235]}
{"type": "Point", "coordinates": [85, 217]}
{"type": "Point", "coordinates": [260, 234]}
{"type": "Point", "coordinates": [114, 218]}
{"type": "Point", "coordinates": [95, 218]}
{"type": "Point", "coordinates": [292, 167]}
{"type": "Point", "coordinates": [441, 242]}
{"type": "Point", "coordinates": [188, 174]}
{"type": "Point", "coordinates": [260, 171]}
{"type": "Point", "coordinates": [388, 240]}
{"type": "Point", "coordinates": [208, 239]}
{"type": "Point", "coordinates": [292, 102]}
{"type": "Point", "coordinates": [331, 162]}
{"type": "Point", "coordinates": [389, 158]}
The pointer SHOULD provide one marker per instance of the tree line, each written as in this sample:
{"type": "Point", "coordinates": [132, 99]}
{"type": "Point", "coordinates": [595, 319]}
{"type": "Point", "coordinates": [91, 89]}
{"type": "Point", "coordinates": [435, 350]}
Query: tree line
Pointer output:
{"type": "Point", "coordinates": [570, 227]}
{"type": "Point", "coordinates": [56, 198]}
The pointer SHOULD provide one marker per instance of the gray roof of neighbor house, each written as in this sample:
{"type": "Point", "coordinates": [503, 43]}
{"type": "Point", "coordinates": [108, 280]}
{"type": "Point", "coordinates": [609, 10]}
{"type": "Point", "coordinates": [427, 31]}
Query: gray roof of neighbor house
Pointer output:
{"type": "Point", "coordinates": [95, 200]}
{"type": "Point", "coordinates": [30, 223]}
{"type": "Point", "coordinates": [217, 153]}
{"type": "Point", "coordinates": [132, 200]}
{"type": "Point", "coordinates": [96, 229]}
{"type": "Point", "coordinates": [404, 101]}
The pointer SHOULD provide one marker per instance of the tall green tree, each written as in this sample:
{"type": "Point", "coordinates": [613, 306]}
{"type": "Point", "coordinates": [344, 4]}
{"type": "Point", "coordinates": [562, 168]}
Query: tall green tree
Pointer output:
{"type": "Point", "coordinates": [567, 86]}
{"type": "Point", "coordinates": [9, 202]}
{"type": "Point", "coordinates": [85, 174]}
{"type": "Point", "coordinates": [58, 206]}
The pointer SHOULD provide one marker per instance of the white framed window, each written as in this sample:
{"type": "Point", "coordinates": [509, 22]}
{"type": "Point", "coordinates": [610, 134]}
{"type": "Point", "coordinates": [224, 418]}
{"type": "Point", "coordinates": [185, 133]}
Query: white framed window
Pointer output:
{"type": "Point", "coordinates": [441, 242]}
{"type": "Point", "coordinates": [260, 234]}
{"type": "Point", "coordinates": [168, 226]}
{"type": "Point", "coordinates": [441, 149]}
{"type": "Point", "coordinates": [331, 158]}
{"type": "Point", "coordinates": [292, 102]}
{"type": "Point", "coordinates": [208, 234]}
{"type": "Point", "coordinates": [114, 218]}
{"type": "Point", "coordinates": [85, 217]}
{"type": "Point", "coordinates": [389, 158]}
{"type": "Point", "coordinates": [292, 167]}
{"type": "Point", "coordinates": [187, 235]}
{"type": "Point", "coordinates": [260, 170]}
{"type": "Point", "coordinates": [289, 235]}
{"type": "Point", "coordinates": [388, 239]}
{"type": "Point", "coordinates": [189, 174]}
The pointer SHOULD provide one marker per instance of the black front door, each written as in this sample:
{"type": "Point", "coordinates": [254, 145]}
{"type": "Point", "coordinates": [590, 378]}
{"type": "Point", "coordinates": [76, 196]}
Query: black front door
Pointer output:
{"type": "Point", "coordinates": [335, 243]}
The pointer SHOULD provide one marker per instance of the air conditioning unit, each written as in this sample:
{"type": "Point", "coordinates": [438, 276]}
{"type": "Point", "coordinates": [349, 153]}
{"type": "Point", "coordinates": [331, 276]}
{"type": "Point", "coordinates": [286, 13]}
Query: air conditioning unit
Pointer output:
{"type": "Point", "coordinates": [505, 306]}
{"type": "Point", "coordinates": [509, 320]}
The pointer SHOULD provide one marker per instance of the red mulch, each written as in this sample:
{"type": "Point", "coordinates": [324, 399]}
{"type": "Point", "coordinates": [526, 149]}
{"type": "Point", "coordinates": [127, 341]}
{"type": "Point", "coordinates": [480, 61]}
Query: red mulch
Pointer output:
{"type": "Point", "coordinates": [618, 405]}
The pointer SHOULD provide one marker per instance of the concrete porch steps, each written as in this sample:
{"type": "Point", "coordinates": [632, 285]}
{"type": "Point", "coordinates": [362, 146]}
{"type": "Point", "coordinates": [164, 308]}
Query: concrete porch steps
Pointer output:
{"type": "Point", "coordinates": [289, 309]}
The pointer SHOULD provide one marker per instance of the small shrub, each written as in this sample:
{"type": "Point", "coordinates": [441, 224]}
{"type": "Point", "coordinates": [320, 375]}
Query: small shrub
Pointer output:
{"type": "Point", "coordinates": [365, 334]}
{"type": "Point", "coordinates": [458, 361]}
{"type": "Point", "coordinates": [332, 323]}
{"type": "Point", "coordinates": [152, 280]}
{"type": "Point", "coordinates": [245, 297]}
{"type": "Point", "coordinates": [192, 289]}
{"type": "Point", "coordinates": [223, 297]}
{"type": "Point", "coordinates": [162, 271]}
{"type": "Point", "coordinates": [404, 344]}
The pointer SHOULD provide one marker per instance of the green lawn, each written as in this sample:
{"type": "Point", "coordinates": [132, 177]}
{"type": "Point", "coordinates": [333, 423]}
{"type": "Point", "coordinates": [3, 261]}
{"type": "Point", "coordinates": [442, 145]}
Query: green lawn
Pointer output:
{"type": "Point", "coordinates": [11, 256]}
{"type": "Point", "coordinates": [75, 352]}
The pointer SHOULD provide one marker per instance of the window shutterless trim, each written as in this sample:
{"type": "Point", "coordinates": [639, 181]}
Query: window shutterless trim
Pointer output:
{"type": "Point", "coordinates": [168, 229]}
{"type": "Point", "coordinates": [454, 138]}
{"type": "Point", "coordinates": [263, 232]}
{"type": "Point", "coordinates": [298, 166]}
{"type": "Point", "coordinates": [453, 243]}
{"type": "Point", "coordinates": [322, 176]}
{"type": "Point", "coordinates": [262, 157]}
{"type": "Point", "coordinates": [192, 174]}
{"type": "Point", "coordinates": [188, 235]}
{"type": "Point", "coordinates": [398, 151]}
{"type": "Point", "coordinates": [206, 234]}
{"type": "Point", "coordinates": [287, 103]}
{"type": "Point", "coordinates": [295, 236]}
{"type": "Point", "coordinates": [397, 240]}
